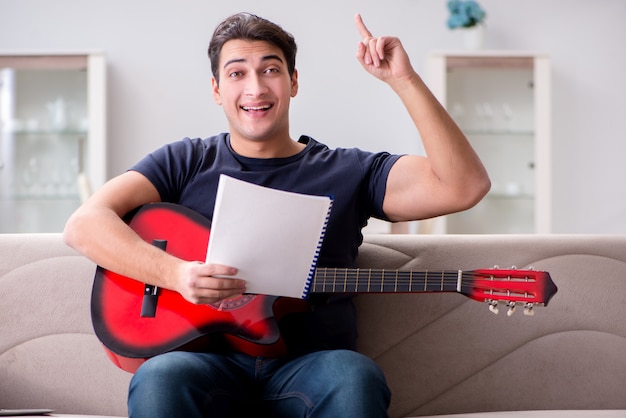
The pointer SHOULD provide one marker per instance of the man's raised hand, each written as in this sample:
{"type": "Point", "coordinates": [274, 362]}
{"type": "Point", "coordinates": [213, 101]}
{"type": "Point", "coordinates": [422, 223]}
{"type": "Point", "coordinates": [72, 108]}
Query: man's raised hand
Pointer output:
{"type": "Point", "coordinates": [384, 57]}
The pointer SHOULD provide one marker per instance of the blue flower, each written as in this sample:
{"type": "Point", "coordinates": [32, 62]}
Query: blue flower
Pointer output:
{"type": "Point", "coordinates": [464, 14]}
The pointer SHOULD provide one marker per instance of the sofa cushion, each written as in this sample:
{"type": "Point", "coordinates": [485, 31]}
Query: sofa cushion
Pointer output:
{"type": "Point", "coordinates": [49, 356]}
{"type": "Point", "coordinates": [445, 354]}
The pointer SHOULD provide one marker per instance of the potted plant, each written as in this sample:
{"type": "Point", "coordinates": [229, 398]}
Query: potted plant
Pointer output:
{"type": "Point", "coordinates": [468, 15]}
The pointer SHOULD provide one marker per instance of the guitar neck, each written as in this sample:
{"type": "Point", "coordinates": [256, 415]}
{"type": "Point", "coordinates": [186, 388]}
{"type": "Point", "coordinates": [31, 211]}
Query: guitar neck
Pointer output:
{"type": "Point", "coordinates": [342, 280]}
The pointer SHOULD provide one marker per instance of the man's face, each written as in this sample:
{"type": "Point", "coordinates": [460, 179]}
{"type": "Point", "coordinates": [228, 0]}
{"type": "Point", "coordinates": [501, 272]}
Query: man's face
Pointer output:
{"type": "Point", "coordinates": [255, 90]}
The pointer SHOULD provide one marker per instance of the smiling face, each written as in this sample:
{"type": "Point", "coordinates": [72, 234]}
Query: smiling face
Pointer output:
{"type": "Point", "coordinates": [255, 90]}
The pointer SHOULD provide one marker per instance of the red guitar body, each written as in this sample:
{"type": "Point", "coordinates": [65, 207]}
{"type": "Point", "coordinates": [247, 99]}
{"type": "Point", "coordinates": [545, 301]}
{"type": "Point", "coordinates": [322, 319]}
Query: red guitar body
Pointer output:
{"type": "Point", "coordinates": [248, 323]}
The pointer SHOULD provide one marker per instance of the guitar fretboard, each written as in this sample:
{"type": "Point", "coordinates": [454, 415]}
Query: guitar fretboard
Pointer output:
{"type": "Point", "coordinates": [341, 280]}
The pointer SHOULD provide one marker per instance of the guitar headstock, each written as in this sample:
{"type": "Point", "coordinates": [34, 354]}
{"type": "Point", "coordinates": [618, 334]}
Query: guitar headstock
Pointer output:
{"type": "Point", "coordinates": [512, 287]}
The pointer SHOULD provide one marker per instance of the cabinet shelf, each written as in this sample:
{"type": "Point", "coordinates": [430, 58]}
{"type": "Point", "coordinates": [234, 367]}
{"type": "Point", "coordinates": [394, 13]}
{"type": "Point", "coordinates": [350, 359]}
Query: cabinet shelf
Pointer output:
{"type": "Point", "coordinates": [74, 197]}
{"type": "Point", "coordinates": [499, 132]}
{"type": "Point", "coordinates": [49, 133]}
{"type": "Point", "coordinates": [510, 196]}
{"type": "Point", "coordinates": [52, 128]}
{"type": "Point", "coordinates": [502, 102]}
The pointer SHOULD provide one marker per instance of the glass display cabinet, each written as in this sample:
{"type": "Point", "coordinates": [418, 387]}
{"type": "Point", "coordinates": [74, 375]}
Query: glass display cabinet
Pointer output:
{"type": "Point", "coordinates": [502, 101]}
{"type": "Point", "coordinates": [52, 137]}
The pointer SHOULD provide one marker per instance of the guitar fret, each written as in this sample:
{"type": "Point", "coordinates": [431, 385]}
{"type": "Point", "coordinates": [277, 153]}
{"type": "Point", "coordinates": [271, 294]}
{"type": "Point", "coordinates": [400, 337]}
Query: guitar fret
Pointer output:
{"type": "Point", "coordinates": [395, 286]}
{"type": "Point", "coordinates": [369, 280]}
{"type": "Point", "coordinates": [318, 273]}
{"type": "Point", "coordinates": [356, 285]}
{"type": "Point", "coordinates": [425, 280]}
{"type": "Point", "coordinates": [334, 279]}
{"type": "Point", "coordinates": [345, 282]}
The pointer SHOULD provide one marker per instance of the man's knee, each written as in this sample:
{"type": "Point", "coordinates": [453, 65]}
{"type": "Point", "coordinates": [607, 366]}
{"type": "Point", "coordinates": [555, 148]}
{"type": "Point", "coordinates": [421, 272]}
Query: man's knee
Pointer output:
{"type": "Point", "coordinates": [348, 363]}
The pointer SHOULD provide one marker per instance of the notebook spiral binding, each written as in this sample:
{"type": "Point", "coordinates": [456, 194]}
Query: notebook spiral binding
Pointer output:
{"type": "Point", "coordinates": [309, 280]}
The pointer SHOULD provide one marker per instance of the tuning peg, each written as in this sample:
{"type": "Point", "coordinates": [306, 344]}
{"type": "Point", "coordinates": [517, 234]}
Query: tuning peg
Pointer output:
{"type": "Point", "coordinates": [528, 309]}
{"type": "Point", "coordinates": [493, 307]}
{"type": "Point", "coordinates": [511, 310]}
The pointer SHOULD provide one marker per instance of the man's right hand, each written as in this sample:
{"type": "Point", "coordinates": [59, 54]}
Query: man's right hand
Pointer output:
{"type": "Point", "coordinates": [202, 283]}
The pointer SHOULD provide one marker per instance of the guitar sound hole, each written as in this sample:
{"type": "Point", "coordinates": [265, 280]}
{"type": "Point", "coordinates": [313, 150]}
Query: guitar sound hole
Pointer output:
{"type": "Point", "coordinates": [232, 303]}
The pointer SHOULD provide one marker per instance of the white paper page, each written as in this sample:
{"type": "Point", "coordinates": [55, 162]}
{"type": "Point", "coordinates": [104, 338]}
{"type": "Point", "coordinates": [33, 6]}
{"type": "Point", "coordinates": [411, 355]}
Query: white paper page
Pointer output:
{"type": "Point", "coordinates": [271, 236]}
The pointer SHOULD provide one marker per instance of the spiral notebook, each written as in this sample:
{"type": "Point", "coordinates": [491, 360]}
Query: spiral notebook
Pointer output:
{"type": "Point", "coordinates": [271, 236]}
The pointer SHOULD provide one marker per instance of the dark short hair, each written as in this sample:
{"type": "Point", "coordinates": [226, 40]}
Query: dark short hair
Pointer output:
{"type": "Point", "coordinates": [249, 27]}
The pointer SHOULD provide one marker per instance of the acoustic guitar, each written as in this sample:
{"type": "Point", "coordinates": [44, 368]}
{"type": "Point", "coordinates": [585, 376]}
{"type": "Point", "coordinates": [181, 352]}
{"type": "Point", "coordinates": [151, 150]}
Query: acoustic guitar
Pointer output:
{"type": "Point", "coordinates": [135, 321]}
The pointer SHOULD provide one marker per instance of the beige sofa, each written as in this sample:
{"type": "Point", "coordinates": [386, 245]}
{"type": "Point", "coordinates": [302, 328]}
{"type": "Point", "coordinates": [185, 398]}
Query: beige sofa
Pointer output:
{"type": "Point", "coordinates": [442, 353]}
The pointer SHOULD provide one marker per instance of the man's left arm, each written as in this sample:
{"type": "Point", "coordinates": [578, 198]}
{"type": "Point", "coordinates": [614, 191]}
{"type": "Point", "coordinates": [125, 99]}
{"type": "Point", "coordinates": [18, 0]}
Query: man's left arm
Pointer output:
{"type": "Point", "coordinates": [450, 177]}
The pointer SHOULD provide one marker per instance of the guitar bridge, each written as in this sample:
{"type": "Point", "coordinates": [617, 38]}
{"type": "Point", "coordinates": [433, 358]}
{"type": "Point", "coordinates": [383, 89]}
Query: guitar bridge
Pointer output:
{"type": "Point", "coordinates": [151, 292]}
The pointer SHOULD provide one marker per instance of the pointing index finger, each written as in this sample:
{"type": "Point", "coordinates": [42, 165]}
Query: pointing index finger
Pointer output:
{"type": "Point", "coordinates": [363, 31]}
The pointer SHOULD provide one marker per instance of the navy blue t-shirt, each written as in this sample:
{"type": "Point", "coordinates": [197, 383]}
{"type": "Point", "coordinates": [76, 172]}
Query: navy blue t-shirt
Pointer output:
{"type": "Point", "coordinates": [187, 172]}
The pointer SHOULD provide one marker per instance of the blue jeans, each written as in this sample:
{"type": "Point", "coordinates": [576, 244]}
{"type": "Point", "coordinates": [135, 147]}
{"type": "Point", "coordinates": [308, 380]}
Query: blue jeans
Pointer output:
{"type": "Point", "coordinates": [336, 383]}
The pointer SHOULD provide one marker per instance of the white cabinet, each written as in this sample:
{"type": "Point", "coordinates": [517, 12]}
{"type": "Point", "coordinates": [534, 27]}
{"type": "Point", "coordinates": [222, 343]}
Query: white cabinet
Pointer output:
{"type": "Point", "coordinates": [502, 102]}
{"type": "Point", "coordinates": [52, 137]}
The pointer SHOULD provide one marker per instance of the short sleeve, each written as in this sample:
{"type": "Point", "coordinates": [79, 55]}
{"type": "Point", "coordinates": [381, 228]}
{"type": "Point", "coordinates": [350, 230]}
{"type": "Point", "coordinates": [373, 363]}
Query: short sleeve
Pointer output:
{"type": "Point", "coordinates": [170, 167]}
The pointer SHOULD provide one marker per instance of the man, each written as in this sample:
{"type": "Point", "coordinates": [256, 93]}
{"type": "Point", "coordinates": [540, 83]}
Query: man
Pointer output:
{"type": "Point", "coordinates": [254, 79]}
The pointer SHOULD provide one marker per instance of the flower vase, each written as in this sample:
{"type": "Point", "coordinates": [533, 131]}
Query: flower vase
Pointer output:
{"type": "Point", "coordinates": [474, 37]}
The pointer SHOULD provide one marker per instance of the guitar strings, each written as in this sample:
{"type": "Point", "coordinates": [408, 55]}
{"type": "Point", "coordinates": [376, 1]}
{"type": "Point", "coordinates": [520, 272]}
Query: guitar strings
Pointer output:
{"type": "Point", "coordinates": [380, 280]}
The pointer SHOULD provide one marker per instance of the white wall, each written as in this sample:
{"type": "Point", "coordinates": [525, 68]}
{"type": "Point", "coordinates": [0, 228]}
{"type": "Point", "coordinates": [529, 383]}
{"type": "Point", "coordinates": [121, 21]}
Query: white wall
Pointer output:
{"type": "Point", "coordinates": [159, 77]}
